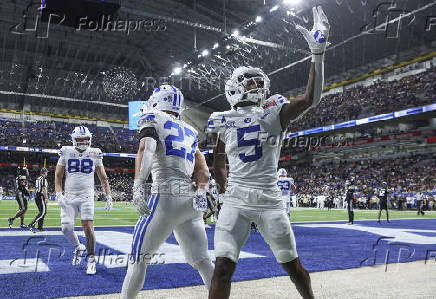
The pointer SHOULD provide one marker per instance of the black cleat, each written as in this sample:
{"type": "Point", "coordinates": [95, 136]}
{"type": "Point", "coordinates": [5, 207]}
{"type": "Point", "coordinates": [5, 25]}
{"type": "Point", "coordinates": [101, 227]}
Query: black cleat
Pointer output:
{"type": "Point", "coordinates": [23, 226]}
{"type": "Point", "coordinates": [10, 221]}
{"type": "Point", "coordinates": [378, 221]}
{"type": "Point", "coordinates": [388, 221]}
{"type": "Point", "coordinates": [41, 230]}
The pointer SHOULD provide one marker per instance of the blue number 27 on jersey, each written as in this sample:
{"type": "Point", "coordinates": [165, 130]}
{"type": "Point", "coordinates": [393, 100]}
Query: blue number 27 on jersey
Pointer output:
{"type": "Point", "coordinates": [180, 137]}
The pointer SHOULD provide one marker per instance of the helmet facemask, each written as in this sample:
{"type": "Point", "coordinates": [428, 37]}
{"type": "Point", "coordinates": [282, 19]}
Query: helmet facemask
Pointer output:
{"type": "Point", "coordinates": [256, 94]}
{"type": "Point", "coordinates": [82, 143]}
{"type": "Point", "coordinates": [247, 84]}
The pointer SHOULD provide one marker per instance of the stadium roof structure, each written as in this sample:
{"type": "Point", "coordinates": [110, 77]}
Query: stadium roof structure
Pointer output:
{"type": "Point", "coordinates": [194, 43]}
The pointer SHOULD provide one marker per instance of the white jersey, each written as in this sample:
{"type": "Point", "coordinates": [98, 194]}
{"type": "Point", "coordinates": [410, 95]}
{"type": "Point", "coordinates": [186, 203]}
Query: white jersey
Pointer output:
{"type": "Point", "coordinates": [1, 193]}
{"type": "Point", "coordinates": [174, 158]}
{"type": "Point", "coordinates": [285, 185]}
{"type": "Point", "coordinates": [253, 137]}
{"type": "Point", "coordinates": [79, 168]}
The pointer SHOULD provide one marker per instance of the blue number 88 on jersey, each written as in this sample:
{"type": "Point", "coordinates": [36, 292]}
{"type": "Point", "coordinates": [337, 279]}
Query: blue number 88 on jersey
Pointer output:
{"type": "Point", "coordinates": [76, 165]}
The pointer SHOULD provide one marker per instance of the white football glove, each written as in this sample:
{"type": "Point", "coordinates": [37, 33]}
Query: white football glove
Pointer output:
{"type": "Point", "coordinates": [317, 38]}
{"type": "Point", "coordinates": [60, 198]}
{"type": "Point", "coordinates": [139, 198]}
{"type": "Point", "coordinates": [109, 203]}
{"type": "Point", "coordinates": [199, 202]}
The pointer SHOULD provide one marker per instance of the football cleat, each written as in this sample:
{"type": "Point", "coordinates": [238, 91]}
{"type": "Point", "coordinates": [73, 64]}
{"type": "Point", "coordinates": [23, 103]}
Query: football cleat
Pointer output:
{"type": "Point", "coordinates": [32, 228]}
{"type": "Point", "coordinates": [91, 268]}
{"type": "Point", "coordinates": [10, 222]}
{"type": "Point", "coordinates": [23, 226]}
{"type": "Point", "coordinates": [78, 252]}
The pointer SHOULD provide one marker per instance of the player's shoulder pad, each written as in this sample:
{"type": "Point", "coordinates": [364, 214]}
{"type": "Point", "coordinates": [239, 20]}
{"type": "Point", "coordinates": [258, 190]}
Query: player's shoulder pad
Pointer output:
{"type": "Point", "coordinates": [63, 151]}
{"type": "Point", "coordinates": [218, 120]}
{"type": "Point", "coordinates": [94, 151]}
{"type": "Point", "coordinates": [276, 100]}
{"type": "Point", "coordinates": [149, 119]}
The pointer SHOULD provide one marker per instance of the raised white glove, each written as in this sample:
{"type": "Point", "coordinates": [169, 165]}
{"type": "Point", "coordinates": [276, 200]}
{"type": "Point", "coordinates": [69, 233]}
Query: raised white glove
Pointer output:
{"type": "Point", "coordinates": [199, 202]}
{"type": "Point", "coordinates": [318, 36]}
{"type": "Point", "coordinates": [109, 203]}
{"type": "Point", "coordinates": [139, 198]}
{"type": "Point", "coordinates": [60, 198]}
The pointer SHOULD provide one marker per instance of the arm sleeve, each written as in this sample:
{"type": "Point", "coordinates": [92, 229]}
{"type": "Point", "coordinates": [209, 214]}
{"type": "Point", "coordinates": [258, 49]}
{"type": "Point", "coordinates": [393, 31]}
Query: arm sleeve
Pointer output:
{"type": "Point", "coordinates": [62, 160]}
{"type": "Point", "coordinates": [216, 125]}
{"type": "Point", "coordinates": [99, 159]}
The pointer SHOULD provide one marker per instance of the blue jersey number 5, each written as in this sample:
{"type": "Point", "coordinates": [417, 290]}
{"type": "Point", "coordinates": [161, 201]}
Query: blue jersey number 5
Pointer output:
{"type": "Point", "coordinates": [250, 142]}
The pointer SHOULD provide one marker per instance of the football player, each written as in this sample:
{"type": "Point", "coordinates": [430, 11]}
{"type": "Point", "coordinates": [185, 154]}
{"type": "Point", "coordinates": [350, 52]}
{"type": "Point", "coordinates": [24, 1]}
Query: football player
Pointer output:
{"type": "Point", "coordinates": [78, 163]}
{"type": "Point", "coordinates": [287, 187]}
{"type": "Point", "coordinates": [251, 137]}
{"type": "Point", "coordinates": [383, 201]}
{"type": "Point", "coordinates": [22, 196]}
{"type": "Point", "coordinates": [168, 150]}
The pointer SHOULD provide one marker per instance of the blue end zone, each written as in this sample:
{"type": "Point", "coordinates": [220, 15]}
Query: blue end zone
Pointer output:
{"type": "Point", "coordinates": [321, 246]}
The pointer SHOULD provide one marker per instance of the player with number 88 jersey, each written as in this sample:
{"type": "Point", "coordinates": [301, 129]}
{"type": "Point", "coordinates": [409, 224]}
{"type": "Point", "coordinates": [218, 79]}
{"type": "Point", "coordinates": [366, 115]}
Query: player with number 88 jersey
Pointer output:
{"type": "Point", "coordinates": [78, 164]}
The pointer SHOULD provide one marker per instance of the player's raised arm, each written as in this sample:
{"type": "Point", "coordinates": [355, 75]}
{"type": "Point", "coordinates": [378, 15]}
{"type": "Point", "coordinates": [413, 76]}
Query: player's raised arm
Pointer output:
{"type": "Point", "coordinates": [219, 165]}
{"type": "Point", "coordinates": [317, 41]}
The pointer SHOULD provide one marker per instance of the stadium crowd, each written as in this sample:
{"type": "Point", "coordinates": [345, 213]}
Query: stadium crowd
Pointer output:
{"type": "Point", "coordinates": [358, 102]}
{"type": "Point", "coordinates": [406, 176]}
{"type": "Point", "coordinates": [364, 101]}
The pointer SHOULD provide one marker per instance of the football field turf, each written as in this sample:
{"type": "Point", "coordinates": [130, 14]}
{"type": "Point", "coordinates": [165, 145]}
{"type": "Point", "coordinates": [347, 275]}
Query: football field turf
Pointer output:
{"type": "Point", "coordinates": [124, 214]}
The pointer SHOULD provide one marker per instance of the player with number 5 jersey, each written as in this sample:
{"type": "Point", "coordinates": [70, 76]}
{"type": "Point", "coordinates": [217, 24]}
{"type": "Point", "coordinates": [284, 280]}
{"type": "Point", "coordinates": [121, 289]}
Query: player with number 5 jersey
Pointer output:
{"type": "Point", "coordinates": [250, 136]}
{"type": "Point", "coordinates": [78, 164]}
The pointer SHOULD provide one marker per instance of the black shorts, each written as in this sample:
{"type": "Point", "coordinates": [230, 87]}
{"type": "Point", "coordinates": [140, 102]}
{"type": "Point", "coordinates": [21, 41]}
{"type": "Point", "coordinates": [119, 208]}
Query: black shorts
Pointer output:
{"type": "Point", "coordinates": [22, 204]}
{"type": "Point", "coordinates": [383, 205]}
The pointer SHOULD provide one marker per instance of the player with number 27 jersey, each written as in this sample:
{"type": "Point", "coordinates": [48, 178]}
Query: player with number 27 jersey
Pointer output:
{"type": "Point", "coordinates": [79, 168]}
{"type": "Point", "coordinates": [174, 157]}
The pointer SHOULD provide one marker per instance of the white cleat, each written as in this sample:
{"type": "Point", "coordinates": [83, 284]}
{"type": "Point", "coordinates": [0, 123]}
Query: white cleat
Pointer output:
{"type": "Point", "coordinates": [91, 269]}
{"type": "Point", "coordinates": [78, 252]}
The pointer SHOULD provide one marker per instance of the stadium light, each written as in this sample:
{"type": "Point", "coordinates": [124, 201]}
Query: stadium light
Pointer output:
{"type": "Point", "coordinates": [205, 52]}
{"type": "Point", "coordinates": [228, 47]}
{"type": "Point", "coordinates": [177, 70]}
{"type": "Point", "coordinates": [291, 2]}
{"type": "Point", "coordinates": [259, 19]}
{"type": "Point", "coordinates": [216, 45]}
{"type": "Point", "coordinates": [274, 8]}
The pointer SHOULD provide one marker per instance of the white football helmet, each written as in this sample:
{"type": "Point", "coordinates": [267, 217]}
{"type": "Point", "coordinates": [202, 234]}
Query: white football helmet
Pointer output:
{"type": "Point", "coordinates": [236, 87]}
{"type": "Point", "coordinates": [81, 132]}
{"type": "Point", "coordinates": [166, 98]}
{"type": "Point", "coordinates": [282, 172]}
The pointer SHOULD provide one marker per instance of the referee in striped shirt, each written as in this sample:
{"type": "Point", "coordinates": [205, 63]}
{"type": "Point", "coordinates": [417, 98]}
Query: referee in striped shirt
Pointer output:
{"type": "Point", "coordinates": [41, 199]}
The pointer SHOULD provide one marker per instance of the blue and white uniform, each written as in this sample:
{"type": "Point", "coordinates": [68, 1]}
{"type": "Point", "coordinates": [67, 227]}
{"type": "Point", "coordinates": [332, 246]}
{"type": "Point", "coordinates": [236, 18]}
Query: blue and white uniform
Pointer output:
{"type": "Point", "coordinates": [285, 184]}
{"type": "Point", "coordinates": [253, 137]}
{"type": "Point", "coordinates": [172, 191]}
{"type": "Point", "coordinates": [79, 182]}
